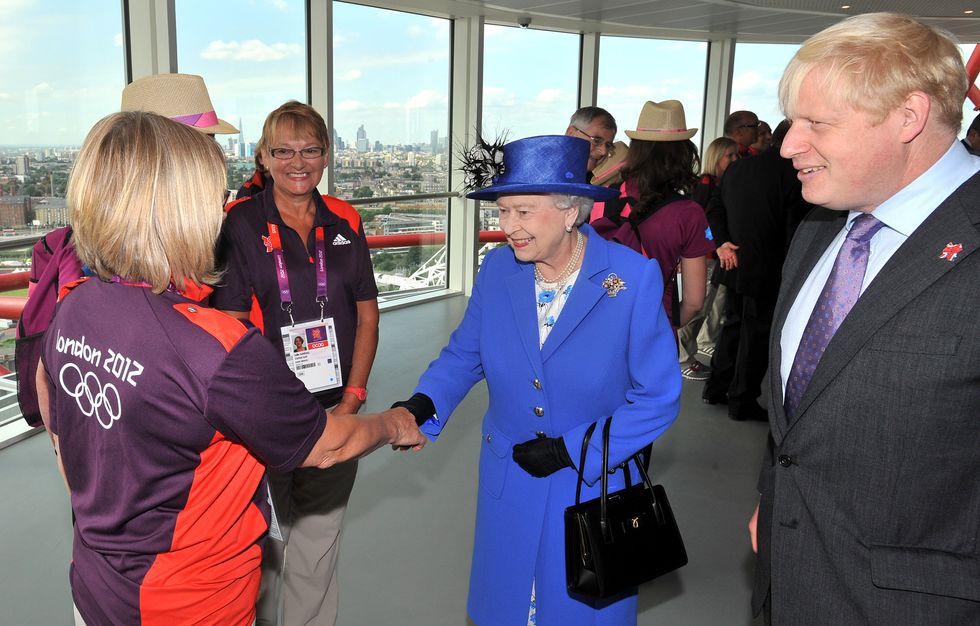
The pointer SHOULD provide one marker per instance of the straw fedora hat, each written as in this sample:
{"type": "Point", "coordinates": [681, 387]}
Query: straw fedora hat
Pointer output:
{"type": "Point", "coordinates": [606, 171]}
{"type": "Point", "coordinates": [181, 97]}
{"type": "Point", "coordinates": [662, 121]}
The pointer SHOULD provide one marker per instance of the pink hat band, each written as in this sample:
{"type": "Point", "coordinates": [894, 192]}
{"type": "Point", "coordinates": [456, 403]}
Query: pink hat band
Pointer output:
{"type": "Point", "coordinates": [198, 120]}
{"type": "Point", "coordinates": [662, 130]}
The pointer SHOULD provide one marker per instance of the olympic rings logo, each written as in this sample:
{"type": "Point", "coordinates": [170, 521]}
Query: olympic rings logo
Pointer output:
{"type": "Point", "coordinates": [91, 396]}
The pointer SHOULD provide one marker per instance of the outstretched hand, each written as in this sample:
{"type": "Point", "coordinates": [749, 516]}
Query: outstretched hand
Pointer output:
{"type": "Point", "coordinates": [407, 433]}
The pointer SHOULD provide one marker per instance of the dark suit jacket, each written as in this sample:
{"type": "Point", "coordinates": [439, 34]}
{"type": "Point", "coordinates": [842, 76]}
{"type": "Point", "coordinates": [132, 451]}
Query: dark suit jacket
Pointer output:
{"type": "Point", "coordinates": [870, 507]}
{"type": "Point", "coordinates": [763, 203]}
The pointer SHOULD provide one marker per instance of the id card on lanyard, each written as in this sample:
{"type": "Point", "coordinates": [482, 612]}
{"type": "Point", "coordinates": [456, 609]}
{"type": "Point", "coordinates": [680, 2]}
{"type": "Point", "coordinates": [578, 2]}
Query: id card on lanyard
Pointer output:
{"type": "Point", "coordinates": [310, 346]}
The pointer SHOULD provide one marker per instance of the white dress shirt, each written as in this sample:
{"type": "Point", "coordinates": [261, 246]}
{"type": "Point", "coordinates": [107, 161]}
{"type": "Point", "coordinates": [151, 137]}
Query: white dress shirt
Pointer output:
{"type": "Point", "coordinates": [901, 215]}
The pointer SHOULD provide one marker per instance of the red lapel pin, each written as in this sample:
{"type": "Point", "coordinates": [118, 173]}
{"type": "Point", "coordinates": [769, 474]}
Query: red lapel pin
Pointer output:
{"type": "Point", "coordinates": [951, 251]}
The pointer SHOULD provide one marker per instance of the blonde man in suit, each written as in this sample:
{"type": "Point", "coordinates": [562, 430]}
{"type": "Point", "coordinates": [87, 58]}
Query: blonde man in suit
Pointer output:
{"type": "Point", "coordinates": [870, 493]}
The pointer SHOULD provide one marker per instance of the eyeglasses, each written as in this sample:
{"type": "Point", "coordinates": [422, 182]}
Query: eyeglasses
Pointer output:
{"type": "Point", "coordinates": [596, 141]}
{"type": "Point", "coordinates": [313, 152]}
{"type": "Point", "coordinates": [756, 125]}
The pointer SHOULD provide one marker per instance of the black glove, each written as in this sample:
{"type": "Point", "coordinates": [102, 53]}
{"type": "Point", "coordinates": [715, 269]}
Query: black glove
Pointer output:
{"type": "Point", "coordinates": [420, 406]}
{"type": "Point", "coordinates": [542, 456]}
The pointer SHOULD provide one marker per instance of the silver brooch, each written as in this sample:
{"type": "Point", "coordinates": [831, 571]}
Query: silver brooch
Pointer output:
{"type": "Point", "coordinates": [613, 284]}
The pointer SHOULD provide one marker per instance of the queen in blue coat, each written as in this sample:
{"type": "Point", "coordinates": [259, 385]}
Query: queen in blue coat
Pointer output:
{"type": "Point", "coordinates": [567, 329]}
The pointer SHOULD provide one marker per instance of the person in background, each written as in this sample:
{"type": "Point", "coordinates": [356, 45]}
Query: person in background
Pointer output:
{"type": "Point", "coordinates": [660, 219]}
{"type": "Point", "coordinates": [762, 202]}
{"type": "Point", "coordinates": [163, 413]}
{"type": "Point", "coordinates": [597, 126]}
{"type": "Point", "coordinates": [566, 329]}
{"type": "Point", "coordinates": [608, 173]}
{"type": "Point", "coordinates": [870, 490]}
{"type": "Point", "coordinates": [700, 334]}
{"type": "Point", "coordinates": [764, 139]}
{"type": "Point", "coordinates": [324, 287]}
{"type": "Point", "coordinates": [743, 127]}
{"type": "Point", "coordinates": [972, 140]}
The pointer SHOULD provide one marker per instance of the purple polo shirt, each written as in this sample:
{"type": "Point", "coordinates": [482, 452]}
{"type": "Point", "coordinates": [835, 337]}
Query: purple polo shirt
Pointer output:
{"type": "Point", "coordinates": [250, 283]}
{"type": "Point", "coordinates": [167, 413]}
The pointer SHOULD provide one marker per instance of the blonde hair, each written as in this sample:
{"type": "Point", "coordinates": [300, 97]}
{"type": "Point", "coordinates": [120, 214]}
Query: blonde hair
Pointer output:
{"type": "Point", "coordinates": [713, 153]}
{"type": "Point", "coordinates": [145, 201]}
{"type": "Point", "coordinates": [874, 61]}
{"type": "Point", "coordinates": [296, 115]}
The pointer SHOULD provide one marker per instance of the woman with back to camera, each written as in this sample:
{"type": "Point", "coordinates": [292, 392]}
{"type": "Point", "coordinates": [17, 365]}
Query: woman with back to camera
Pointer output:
{"type": "Point", "coordinates": [701, 333]}
{"type": "Point", "coordinates": [660, 173]}
{"type": "Point", "coordinates": [298, 262]}
{"type": "Point", "coordinates": [164, 413]}
{"type": "Point", "coordinates": [567, 330]}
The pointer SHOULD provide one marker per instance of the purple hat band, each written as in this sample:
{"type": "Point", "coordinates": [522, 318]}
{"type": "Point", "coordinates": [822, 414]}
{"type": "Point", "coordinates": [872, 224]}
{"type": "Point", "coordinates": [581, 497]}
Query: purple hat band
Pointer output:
{"type": "Point", "coordinates": [198, 120]}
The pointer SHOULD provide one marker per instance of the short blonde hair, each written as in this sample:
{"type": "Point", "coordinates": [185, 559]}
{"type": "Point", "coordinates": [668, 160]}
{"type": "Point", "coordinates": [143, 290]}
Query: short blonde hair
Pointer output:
{"type": "Point", "coordinates": [713, 153]}
{"type": "Point", "coordinates": [295, 115]}
{"type": "Point", "coordinates": [874, 61]}
{"type": "Point", "coordinates": [145, 201]}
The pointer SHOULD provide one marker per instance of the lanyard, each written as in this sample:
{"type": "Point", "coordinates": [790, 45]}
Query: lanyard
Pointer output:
{"type": "Point", "coordinates": [282, 274]}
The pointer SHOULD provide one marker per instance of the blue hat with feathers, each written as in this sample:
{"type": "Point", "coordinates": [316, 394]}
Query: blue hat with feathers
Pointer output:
{"type": "Point", "coordinates": [542, 164]}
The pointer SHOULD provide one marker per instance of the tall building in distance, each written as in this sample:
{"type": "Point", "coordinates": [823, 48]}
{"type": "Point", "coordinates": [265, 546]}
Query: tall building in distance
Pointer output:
{"type": "Point", "coordinates": [242, 146]}
{"type": "Point", "coordinates": [362, 144]}
{"type": "Point", "coordinates": [22, 165]}
{"type": "Point", "coordinates": [434, 141]}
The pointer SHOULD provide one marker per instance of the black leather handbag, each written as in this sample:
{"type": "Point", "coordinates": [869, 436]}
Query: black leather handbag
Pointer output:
{"type": "Point", "coordinates": [619, 540]}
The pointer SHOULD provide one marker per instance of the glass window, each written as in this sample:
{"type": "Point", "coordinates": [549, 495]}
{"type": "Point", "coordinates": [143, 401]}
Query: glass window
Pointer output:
{"type": "Point", "coordinates": [391, 124]}
{"type": "Point", "coordinates": [47, 106]}
{"type": "Point", "coordinates": [969, 111]}
{"type": "Point", "coordinates": [252, 56]}
{"type": "Point", "coordinates": [755, 78]}
{"type": "Point", "coordinates": [634, 70]}
{"type": "Point", "coordinates": [522, 98]}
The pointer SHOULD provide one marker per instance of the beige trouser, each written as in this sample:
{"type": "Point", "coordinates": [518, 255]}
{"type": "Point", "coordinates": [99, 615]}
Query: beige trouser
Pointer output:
{"type": "Point", "coordinates": [704, 328]}
{"type": "Point", "coordinates": [299, 582]}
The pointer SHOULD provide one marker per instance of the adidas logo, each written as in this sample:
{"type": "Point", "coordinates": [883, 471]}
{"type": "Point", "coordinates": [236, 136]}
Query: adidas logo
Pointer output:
{"type": "Point", "coordinates": [340, 240]}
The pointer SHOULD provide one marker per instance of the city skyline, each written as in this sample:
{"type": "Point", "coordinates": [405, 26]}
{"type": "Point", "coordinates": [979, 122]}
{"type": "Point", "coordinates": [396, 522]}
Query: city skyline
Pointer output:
{"type": "Point", "coordinates": [391, 70]}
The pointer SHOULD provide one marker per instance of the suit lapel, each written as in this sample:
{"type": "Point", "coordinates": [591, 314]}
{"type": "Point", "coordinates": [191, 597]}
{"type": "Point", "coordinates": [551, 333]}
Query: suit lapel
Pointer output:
{"type": "Point", "coordinates": [915, 266]}
{"type": "Point", "coordinates": [585, 294]}
{"type": "Point", "coordinates": [800, 261]}
{"type": "Point", "coordinates": [520, 290]}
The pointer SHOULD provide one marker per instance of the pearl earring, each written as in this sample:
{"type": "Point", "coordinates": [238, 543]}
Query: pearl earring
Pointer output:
{"type": "Point", "coordinates": [568, 229]}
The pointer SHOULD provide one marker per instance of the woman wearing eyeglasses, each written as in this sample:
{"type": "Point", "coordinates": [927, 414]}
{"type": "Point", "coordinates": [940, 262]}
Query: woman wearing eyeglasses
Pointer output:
{"type": "Point", "coordinates": [297, 264]}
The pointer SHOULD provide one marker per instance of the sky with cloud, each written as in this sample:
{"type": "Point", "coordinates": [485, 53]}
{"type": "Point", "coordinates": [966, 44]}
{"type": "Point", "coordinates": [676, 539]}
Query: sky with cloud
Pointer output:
{"type": "Point", "coordinates": [391, 70]}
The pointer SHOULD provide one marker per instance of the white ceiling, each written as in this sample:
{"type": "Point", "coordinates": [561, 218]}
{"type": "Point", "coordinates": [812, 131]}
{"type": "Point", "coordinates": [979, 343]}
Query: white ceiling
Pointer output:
{"type": "Point", "coordinates": [752, 20]}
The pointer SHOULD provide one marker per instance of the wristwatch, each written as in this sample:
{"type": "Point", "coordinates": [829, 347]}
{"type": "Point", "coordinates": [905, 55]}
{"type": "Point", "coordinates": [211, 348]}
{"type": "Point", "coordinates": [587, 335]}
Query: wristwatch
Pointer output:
{"type": "Point", "coordinates": [358, 392]}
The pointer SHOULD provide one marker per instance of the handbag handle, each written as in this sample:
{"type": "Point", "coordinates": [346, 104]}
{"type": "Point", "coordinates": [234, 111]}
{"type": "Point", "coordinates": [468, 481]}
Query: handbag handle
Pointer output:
{"type": "Point", "coordinates": [581, 462]}
{"type": "Point", "coordinates": [604, 478]}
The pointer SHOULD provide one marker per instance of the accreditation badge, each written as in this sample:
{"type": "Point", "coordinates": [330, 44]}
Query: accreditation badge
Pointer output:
{"type": "Point", "coordinates": [312, 354]}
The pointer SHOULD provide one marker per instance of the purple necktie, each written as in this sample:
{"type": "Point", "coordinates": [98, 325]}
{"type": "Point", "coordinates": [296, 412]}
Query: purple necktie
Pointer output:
{"type": "Point", "coordinates": [838, 296]}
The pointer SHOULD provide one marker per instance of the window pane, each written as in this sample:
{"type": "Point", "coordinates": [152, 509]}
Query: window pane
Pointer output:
{"type": "Point", "coordinates": [522, 98]}
{"type": "Point", "coordinates": [391, 101]}
{"type": "Point", "coordinates": [391, 124]}
{"type": "Point", "coordinates": [252, 57]}
{"type": "Point", "coordinates": [530, 81]}
{"type": "Point", "coordinates": [633, 70]}
{"type": "Point", "coordinates": [48, 105]}
{"type": "Point", "coordinates": [408, 243]}
{"type": "Point", "coordinates": [969, 111]}
{"type": "Point", "coordinates": [755, 79]}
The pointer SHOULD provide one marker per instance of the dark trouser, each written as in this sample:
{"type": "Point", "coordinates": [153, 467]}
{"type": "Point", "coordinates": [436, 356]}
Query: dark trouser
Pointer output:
{"type": "Point", "coordinates": [726, 349]}
{"type": "Point", "coordinates": [752, 356]}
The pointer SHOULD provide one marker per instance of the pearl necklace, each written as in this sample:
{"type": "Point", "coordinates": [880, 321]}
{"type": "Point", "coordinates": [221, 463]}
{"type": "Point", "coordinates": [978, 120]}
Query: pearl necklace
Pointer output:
{"type": "Point", "coordinates": [569, 267]}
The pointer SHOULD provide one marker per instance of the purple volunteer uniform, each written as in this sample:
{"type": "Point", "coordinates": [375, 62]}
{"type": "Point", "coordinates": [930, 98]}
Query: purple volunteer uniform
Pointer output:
{"type": "Point", "coordinates": [162, 410]}
{"type": "Point", "coordinates": [250, 282]}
